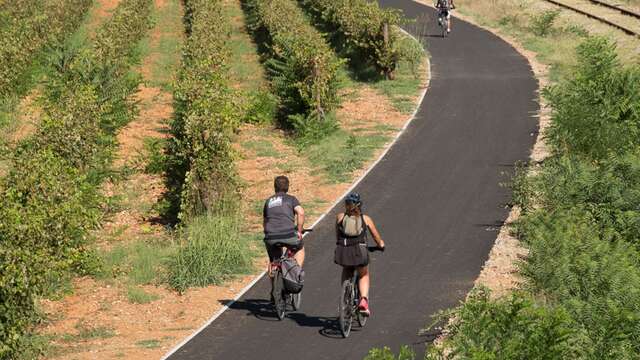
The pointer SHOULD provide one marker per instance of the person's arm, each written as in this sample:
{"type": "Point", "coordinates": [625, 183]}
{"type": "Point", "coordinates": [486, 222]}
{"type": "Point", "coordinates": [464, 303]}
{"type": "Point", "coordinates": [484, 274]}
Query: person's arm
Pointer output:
{"type": "Point", "coordinates": [374, 232]}
{"type": "Point", "coordinates": [264, 216]}
{"type": "Point", "coordinates": [299, 219]}
{"type": "Point", "coordinates": [339, 218]}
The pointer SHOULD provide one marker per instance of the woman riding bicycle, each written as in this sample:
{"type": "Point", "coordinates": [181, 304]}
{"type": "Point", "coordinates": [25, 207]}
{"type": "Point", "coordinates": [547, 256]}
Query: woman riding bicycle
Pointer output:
{"type": "Point", "coordinates": [351, 253]}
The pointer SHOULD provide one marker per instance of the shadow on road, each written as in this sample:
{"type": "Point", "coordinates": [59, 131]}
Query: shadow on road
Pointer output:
{"type": "Point", "coordinates": [260, 308]}
{"type": "Point", "coordinates": [263, 310]}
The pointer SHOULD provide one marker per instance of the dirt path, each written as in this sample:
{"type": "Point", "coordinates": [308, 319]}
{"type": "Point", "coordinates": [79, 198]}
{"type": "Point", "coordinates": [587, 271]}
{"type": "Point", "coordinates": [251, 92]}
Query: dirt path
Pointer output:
{"type": "Point", "coordinates": [99, 13]}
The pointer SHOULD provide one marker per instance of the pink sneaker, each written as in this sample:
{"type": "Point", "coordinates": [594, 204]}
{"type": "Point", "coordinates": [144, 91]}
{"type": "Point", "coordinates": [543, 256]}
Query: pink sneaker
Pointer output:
{"type": "Point", "coordinates": [363, 307]}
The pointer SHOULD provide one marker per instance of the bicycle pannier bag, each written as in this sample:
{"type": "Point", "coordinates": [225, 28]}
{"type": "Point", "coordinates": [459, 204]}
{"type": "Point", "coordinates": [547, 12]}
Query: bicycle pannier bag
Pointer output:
{"type": "Point", "coordinates": [292, 276]}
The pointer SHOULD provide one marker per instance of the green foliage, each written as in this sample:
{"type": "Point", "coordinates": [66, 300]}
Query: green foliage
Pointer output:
{"type": "Point", "coordinates": [137, 295]}
{"type": "Point", "coordinates": [27, 27]}
{"type": "Point", "coordinates": [50, 200]}
{"type": "Point", "coordinates": [340, 154]}
{"type": "Point", "coordinates": [597, 111]}
{"type": "Point", "coordinates": [302, 67]}
{"type": "Point", "coordinates": [609, 192]}
{"type": "Point", "coordinates": [581, 225]}
{"type": "Point", "coordinates": [542, 24]}
{"type": "Point", "coordinates": [512, 328]}
{"type": "Point", "coordinates": [596, 279]}
{"type": "Point", "coordinates": [406, 353]}
{"type": "Point", "coordinates": [366, 27]}
{"type": "Point", "coordinates": [212, 251]}
{"type": "Point", "coordinates": [263, 107]}
{"type": "Point", "coordinates": [208, 112]}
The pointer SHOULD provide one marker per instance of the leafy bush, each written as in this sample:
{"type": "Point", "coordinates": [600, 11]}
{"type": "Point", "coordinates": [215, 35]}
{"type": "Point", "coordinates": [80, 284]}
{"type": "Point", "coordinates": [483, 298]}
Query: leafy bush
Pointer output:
{"type": "Point", "coordinates": [30, 26]}
{"type": "Point", "coordinates": [207, 114]}
{"type": "Point", "coordinates": [512, 328]}
{"type": "Point", "coordinates": [596, 279]}
{"type": "Point", "coordinates": [581, 225]}
{"type": "Point", "coordinates": [597, 111]}
{"type": "Point", "coordinates": [50, 199]}
{"type": "Point", "coordinates": [542, 24]}
{"type": "Point", "coordinates": [365, 26]}
{"type": "Point", "coordinates": [302, 66]}
{"type": "Point", "coordinates": [609, 192]}
{"type": "Point", "coordinates": [263, 107]}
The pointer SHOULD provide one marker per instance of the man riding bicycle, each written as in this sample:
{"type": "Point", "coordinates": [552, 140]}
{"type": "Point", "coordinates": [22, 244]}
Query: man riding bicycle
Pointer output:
{"type": "Point", "coordinates": [283, 221]}
{"type": "Point", "coordinates": [352, 227]}
{"type": "Point", "coordinates": [444, 11]}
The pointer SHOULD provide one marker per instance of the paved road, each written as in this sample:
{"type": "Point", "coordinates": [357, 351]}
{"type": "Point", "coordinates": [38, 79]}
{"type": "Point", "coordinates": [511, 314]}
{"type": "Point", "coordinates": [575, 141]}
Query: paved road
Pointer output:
{"type": "Point", "coordinates": [436, 196]}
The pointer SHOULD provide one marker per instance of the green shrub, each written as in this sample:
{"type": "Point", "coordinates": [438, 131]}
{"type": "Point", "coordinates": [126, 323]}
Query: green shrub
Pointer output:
{"type": "Point", "coordinates": [27, 27]}
{"type": "Point", "coordinates": [596, 112]}
{"type": "Point", "coordinates": [302, 67]}
{"type": "Point", "coordinates": [513, 328]}
{"type": "Point", "coordinates": [365, 26]}
{"type": "Point", "coordinates": [263, 107]}
{"type": "Point", "coordinates": [596, 279]}
{"type": "Point", "coordinates": [542, 24]}
{"type": "Point", "coordinates": [609, 192]}
{"type": "Point", "coordinates": [212, 251]}
{"type": "Point", "coordinates": [207, 114]}
{"type": "Point", "coordinates": [50, 200]}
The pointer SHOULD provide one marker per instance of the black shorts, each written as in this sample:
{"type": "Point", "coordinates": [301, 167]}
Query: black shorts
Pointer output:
{"type": "Point", "coordinates": [274, 246]}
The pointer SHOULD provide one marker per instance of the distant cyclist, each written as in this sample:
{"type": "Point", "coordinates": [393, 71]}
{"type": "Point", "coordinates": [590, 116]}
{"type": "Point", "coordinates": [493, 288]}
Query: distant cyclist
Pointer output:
{"type": "Point", "coordinates": [352, 228]}
{"type": "Point", "coordinates": [283, 221]}
{"type": "Point", "coordinates": [444, 10]}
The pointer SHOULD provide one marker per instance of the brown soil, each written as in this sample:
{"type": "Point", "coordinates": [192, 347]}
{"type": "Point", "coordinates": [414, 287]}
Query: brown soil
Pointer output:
{"type": "Point", "coordinates": [100, 13]}
{"type": "Point", "coordinates": [30, 113]}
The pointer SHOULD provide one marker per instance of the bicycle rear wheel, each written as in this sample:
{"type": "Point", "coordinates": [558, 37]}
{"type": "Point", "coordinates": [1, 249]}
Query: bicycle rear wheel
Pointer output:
{"type": "Point", "coordinates": [362, 319]}
{"type": "Point", "coordinates": [279, 297]}
{"type": "Point", "coordinates": [444, 24]}
{"type": "Point", "coordinates": [346, 308]}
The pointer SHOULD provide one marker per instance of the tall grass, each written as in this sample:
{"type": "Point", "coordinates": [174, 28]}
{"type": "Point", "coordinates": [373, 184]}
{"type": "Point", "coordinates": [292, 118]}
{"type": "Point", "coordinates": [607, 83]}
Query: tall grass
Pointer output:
{"type": "Point", "coordinates": [212, 250]}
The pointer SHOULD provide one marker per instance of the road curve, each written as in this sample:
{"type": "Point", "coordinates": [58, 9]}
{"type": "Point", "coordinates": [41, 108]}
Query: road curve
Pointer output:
{"type": "Point", "coordinates": [437, 198]}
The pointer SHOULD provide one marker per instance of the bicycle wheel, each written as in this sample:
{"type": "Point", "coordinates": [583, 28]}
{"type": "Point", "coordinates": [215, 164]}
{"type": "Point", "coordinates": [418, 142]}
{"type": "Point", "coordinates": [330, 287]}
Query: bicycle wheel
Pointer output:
{"type": "Point", "coordinates": [346, 308]}
{"type": "Point", "coordinates": [444, 25]}
{"type": "Point", "coordinates": [279, 297]}
{"type": "Point", "coordinates": [296, 301]}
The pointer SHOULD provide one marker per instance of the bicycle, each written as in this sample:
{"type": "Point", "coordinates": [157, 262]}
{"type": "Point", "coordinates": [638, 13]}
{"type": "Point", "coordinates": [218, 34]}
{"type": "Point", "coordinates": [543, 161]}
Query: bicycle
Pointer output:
{"type": "Point", "coordinates": [443, 21]}
{"type": "Point", "coordinates": [349, 298]}
{"type": "Point", "coordinates": [280, 297]}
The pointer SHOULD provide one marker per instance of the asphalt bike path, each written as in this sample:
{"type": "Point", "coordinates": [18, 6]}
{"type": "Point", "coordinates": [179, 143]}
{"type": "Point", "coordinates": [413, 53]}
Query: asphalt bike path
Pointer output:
{"type": "Point", "coordinates": [436, 196]}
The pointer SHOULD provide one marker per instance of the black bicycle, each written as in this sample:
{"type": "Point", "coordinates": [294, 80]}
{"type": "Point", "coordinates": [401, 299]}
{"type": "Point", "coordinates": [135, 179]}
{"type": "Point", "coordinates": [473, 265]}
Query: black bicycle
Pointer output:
{"type": "Point", "coordinates": [349, 297]}
{"type": "Point", "coordinates": [279, 294]}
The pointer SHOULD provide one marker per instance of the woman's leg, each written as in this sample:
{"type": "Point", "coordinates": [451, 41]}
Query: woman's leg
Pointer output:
{"type": "Point", "coordinates": [347, 273]}
{"type": "Point", "coordinates": [363, 283]}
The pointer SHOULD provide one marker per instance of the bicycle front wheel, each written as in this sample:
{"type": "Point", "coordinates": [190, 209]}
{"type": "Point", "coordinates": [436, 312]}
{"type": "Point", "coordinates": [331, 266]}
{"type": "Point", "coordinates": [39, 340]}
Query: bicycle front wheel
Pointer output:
{"type": "Point", "coordinates": [346, 308]}
{"type": "Point", "coordinates": [279, 297]}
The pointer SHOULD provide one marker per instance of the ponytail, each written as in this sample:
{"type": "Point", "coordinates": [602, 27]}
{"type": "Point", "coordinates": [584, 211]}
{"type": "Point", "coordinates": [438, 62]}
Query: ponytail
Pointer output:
{"type": "Point", "coordinates": [353, 209]}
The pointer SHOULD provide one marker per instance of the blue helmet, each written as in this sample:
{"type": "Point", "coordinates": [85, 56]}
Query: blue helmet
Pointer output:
{"type": "Point", "coordinates": [353, 198]}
